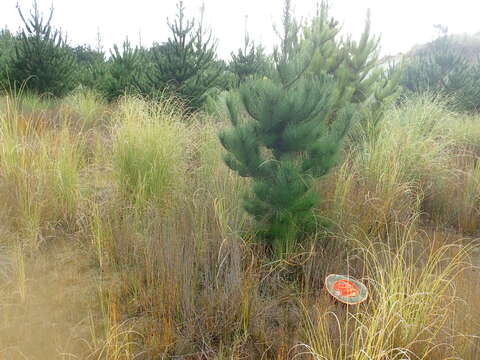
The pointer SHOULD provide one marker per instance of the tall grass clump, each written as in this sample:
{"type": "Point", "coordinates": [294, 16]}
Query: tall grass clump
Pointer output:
{"type": "Point", "coordinates": [213, 180]}
{"type": "Point", "coordinates": [149, 151]}
{"type": "Point", "coordinates": [411, 303]}
{"type": "Point", "coordinates": [386, 178]}
{"type": "Point", "coordinates": [470, 209]}
{"type": "Point", "coordinates": [442, 162]}
{"type": "Point", "coordinates": [87, 107]}
{"type": "Point", "coordinates": [411, 144]}
{"type": "Point", "coordinates": [39, 170]}
{"type": "Point", "coordinates": [67, 151]}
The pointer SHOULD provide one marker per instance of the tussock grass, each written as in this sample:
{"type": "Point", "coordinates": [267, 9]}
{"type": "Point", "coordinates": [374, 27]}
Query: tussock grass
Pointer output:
{"type": "Point", "coordinates": [40, 174]}
{"type": "Point", "coordinates": [150, 153]}
{"type": "Point", "coordinates": [87, 107]}
{"type": "Point", "coordinates": [411, 300]}
{"type": "Point", "coordinates": [403, 168]}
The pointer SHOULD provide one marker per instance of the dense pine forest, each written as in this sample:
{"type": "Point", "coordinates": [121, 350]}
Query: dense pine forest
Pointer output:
{"type": "Point", "coordinates": [163, 203]}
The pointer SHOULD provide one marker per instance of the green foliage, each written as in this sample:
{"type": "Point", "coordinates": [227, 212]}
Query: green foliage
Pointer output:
{"type": "Point", "coordinates": [85, 55]}
{"type": "Point", "coordinates": [7, 53]}
{"type": "Point", "coordinates": [356, 66]}
{"type": "Point", "coordinates": [442, 69]}
{"type": "Point", "coordinates": [124, 70]}
{"type": "Point", "coordinates": [88, 63]}
{"type": "Point", "coordinates": [283, 137]}
{"type": "Point", "coordinates": [42, 57]}
{"type": "Point", "coordinates": [186, 64]}
{"type": "Point", "coordinates": [249, 61]}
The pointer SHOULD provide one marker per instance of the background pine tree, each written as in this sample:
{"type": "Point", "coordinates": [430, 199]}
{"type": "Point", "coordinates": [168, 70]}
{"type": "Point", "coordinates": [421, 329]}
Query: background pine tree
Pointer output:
{"type": "Point", "coordinates": [42, 56]}
{"type": "Point", "coordinates": [89, 63]}
{"type": "Point", "coordinates": [186, 65]}
{"type": "Point", "coordinates": [442, 68]}
{"type": "Point", "coordinates": [249, 61]}
{"type": "Point", "coordinates": [124, 70]}
{"type": "Point", "coordinates": [7, 55]}
{"type": "Point", "coordinates": [282, 137]}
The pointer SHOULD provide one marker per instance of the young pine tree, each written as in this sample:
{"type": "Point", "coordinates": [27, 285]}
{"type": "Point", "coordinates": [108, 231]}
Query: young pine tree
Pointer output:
{"type": "Point", "coordinates": [355, 64]}
{"type": "Point", "coordinates": [87, 62]}
{"type": "Point", "coordinates": [42, 56]}
{"type": "Point", "coordinates": [282, 138]}
{"type": "Point", "coordinates": [124, 71]}
{"type": "Point", "coordinates": [249, 61]}
{"type": "Point", "coordinates": [441, 68]}
{"type": "Point", "coordinates": [186, 65]}
{"type": "Point", "coordinates": [7, 54]}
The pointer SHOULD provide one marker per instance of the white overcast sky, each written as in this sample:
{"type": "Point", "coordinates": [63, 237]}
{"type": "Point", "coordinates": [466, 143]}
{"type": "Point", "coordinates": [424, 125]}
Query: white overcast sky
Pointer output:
{"type": "Point", "coordinates": [401, 23]}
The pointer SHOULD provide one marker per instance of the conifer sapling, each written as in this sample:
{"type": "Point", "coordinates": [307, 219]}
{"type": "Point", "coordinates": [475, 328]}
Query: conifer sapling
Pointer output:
{"type": "Point", "coordinates": [43, 58]}
{"type": "Point", "coordinates": [282, 139]}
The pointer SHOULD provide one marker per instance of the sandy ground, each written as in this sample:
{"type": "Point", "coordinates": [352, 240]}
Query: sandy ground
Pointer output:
{"type": "Point", "coordinates": [48, 312]}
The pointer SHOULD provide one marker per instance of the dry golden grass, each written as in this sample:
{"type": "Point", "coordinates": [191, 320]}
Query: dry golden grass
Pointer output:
{"type": "Point", "coordinates": [124, 238]}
